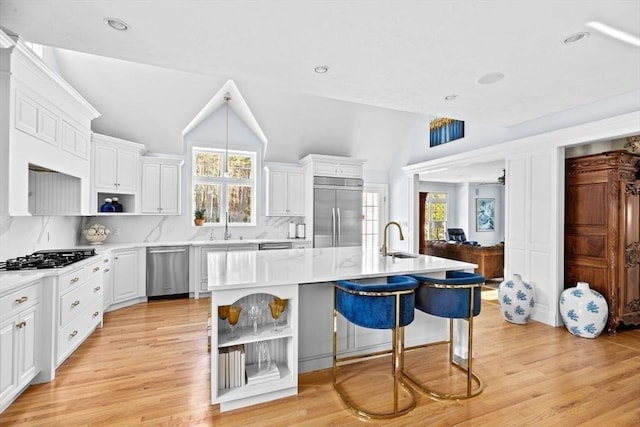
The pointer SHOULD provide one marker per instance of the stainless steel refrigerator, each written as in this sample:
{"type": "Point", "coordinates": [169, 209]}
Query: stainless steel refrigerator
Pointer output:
{"type": "Point", "coordinates": [337, 212]}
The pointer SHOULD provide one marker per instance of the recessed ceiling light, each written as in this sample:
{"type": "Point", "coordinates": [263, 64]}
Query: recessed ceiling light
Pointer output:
{"type": "Point", "coordinates": [450, 97]}
{"type": "Point", "coordinates": [490, 78]}
{"type": "Point", "coordinates": [321, 69]}
{"type": "Point", "coordinates": [573, 38]}
{"type": "Point", "coordinates": [116, 24]}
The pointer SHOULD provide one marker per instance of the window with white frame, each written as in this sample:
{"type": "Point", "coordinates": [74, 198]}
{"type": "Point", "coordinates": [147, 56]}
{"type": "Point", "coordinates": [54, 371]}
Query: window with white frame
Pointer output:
{"type": "Point", "coordinates": [224, 192]}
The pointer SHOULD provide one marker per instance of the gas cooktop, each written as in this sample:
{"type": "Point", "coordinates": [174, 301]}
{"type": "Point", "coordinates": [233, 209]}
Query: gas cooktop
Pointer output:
{"type": "Point", "coordinates": [50, 258]}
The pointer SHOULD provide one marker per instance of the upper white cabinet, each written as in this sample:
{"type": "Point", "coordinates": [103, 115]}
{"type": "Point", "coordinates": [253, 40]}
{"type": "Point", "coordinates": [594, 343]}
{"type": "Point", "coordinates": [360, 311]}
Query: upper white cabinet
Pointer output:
{"type": "Point", "coordinates": [344, 167]}
{"type": "Point", "coordinates": [115, 164]}
{"type": "Point", "coordinates": [44, 126]}
{"type": "Point", "coordinates": [116, 170]}
{"type": "Point", "coordinates": [160, 192]}
{"type": "Point", "coordinates": [284, 190]}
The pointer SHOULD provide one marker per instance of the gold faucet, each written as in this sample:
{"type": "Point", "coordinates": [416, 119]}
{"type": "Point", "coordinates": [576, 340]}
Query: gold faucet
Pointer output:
{"type": "Point", "coordinates": [383, 249]}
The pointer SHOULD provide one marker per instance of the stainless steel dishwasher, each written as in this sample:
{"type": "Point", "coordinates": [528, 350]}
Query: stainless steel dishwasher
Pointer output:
{"type": "Point", "coordinates": [167, 271]}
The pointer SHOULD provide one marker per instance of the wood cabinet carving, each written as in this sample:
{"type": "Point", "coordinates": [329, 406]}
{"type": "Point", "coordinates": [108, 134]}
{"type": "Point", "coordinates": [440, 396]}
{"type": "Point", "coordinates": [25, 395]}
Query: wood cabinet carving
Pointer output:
{"type": "Point", "coordinates": [602, 230]}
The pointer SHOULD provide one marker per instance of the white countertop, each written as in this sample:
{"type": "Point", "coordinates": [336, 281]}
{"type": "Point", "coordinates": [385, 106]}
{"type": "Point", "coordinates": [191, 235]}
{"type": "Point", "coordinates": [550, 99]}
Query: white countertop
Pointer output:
{"type": "Point", "coordinates": [251, 269]}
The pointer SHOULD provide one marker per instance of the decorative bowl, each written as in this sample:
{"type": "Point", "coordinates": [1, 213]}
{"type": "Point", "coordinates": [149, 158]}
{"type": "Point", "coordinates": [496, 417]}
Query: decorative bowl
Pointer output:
{"type": "Point", "coordinates": [96, 234]}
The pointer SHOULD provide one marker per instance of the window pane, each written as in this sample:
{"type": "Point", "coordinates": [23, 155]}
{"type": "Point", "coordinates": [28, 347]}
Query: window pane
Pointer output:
{"type": "Point", "coordinates": [207, 196]}
{"type": "Point", "coordinates": [438, 212]}
{"type": "Point", "coordinates": [240, 166]}
{"type": "Point", "coordinates": [239, 197]}
{"type": "Point", "coordinates": [207, 164]}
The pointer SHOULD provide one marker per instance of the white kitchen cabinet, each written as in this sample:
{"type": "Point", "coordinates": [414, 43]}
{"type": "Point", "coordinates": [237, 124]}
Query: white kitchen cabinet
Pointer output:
{"type": "Point", "coordinates": [44, 124]}
{"type": "Point", "coordinates": [335, 166]}
{"type": "Point", "coordinates": [285, 190]}
{"type": "Point", "coordinates": [282, 345]}
{"type": "Point", "coordinates": [80, 307]}
{"type": "Point", "coordinates": [160, 192]}
{"type": "Point", "coordinates": [116, 170]}
{"type": "Point", "coordinates": [126, 277]}
{"type": "Point", "coordinates": [107, 280]}
{"type": "Point", "coordinates": [19, 326]}
{"type": "Point", "coordinates": [201, 280]}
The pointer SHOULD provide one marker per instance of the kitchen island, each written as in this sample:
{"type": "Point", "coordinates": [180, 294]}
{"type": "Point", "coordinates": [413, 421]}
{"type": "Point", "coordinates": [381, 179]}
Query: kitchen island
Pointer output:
{"type": "Point", "coordinates": [251, 279]}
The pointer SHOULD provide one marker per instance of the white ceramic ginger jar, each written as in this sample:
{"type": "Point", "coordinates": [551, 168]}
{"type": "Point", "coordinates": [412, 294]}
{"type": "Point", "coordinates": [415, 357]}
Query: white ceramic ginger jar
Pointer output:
{"type": "Point", "coordinates": [517, 300]}
{"type": "Point", "coordinates": [583, 310]}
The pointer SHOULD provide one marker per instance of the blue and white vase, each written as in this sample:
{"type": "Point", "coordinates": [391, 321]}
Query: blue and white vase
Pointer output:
{"type": "Point", "coordinates": [517, 300]}
{"type": "Point", "coordinates": [583, 310]}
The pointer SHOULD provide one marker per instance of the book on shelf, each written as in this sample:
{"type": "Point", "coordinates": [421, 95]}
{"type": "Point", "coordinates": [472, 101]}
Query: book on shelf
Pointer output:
{"type": "Point", "coordinates": [261, 374]}
{"type": "Point", "coordinates": [231, 367]}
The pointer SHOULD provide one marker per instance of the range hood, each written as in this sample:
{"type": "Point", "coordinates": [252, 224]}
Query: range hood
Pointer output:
{"type": "Point", "coordinates": [53, 193]}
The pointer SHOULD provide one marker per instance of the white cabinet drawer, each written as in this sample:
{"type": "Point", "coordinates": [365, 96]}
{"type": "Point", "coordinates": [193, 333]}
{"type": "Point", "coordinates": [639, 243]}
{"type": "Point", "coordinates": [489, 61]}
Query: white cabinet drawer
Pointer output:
{"type": "Point", "coordinates": [74, 334]}
{"type": "Point", "coordinates": [77, 300]}
{"type": "Point", "coordinates": [94, 269]}
{"type": "Point", "coordinates": [72, 279]}
{"type": "Point", "coordinates": [16, 300]}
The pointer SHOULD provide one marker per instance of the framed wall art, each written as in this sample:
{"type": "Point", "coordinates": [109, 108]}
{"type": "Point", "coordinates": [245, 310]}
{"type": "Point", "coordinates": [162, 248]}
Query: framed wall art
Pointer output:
{"type": "Point", "coordinates": [485, 214]}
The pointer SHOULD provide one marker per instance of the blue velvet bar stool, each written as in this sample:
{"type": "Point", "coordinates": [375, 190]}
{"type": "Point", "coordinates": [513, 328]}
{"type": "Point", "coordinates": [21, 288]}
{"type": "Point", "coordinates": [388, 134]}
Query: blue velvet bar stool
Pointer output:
{"type": "Point", "coordinates": [387, 305]}
{"type": "Point", "coordinates": [457, 296]}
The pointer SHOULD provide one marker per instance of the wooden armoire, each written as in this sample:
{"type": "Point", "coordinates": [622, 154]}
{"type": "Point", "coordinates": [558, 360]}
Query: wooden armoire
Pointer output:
{"type": "Point", "coordinates": [602, 230]}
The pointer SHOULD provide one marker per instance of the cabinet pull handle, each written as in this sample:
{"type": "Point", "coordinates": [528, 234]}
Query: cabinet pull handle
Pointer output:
{"type": "Point", "coordinates": [21, 300]}
{"type": "Point", "coordinates": [96, 314]}
{"type": "Point", "coordinates": [96, 289]}
{"type": "Point", "coordinates": [96, 269]}
{"type": "Point", "coordinates": [105, 260]}
{"type": "Point", "coordinates": [106, 270]}
{"type": "Point", "coordinates": [73, 334]}
{"type": "Point", "coordinates": [74, 280]}
{"type": "Point", "coordinates": [21, 324]}
{"type": "Point", "coordinates": [75, 303]}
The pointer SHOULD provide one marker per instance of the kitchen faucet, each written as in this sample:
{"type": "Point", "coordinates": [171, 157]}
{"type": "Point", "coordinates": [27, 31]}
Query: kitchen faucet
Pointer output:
{"type": "Point", "coordinates": [227, 235]}
{"type": "Point", "coordinates": [383, 249]}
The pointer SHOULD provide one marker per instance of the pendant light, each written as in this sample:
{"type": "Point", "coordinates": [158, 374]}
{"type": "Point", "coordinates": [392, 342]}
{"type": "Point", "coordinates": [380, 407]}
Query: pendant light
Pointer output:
{"type": "Point", "coordinates": [227, 98]}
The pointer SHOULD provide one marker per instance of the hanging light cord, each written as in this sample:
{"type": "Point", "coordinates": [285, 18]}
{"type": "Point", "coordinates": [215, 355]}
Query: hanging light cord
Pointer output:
{"type": "Point", "coordinates": [227, 98]}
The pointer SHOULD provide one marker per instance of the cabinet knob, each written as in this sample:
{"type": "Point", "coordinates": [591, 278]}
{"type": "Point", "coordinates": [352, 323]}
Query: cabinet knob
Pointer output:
{"type": "Point", "coordinates": [106, 270]}
{"type": "Point", "coordinates": [21, 300]}
{"type": "Point", "coordinates": [74, 280]}
{"type": "Point", "coordinates": [96, 269]}
{"type": "Point", "coordinates": [95, 314]}
{"type": "Point", "coordinates": [73, 334]}
{"type": "Point", "coordinates": [21, 324]}
{"type": "Point", "coordinates": [96, 289]}
{"type": "Point", "coordinates": [105, 260]}
{"type": "Point", "coordinates": [75, 303]}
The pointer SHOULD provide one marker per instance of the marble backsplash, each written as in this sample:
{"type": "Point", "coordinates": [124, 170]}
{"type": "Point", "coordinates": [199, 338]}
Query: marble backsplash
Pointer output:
{"type": "Point", "coordinates": [155, 228]}
{"type": "Point", "coordinates": [24, 235]}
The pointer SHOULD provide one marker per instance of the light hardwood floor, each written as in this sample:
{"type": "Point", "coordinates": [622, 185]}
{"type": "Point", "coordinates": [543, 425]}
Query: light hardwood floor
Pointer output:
{"type": "Point", "coordinates": [149, 365]}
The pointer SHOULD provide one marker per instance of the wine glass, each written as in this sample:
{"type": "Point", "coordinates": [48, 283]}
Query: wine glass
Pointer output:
{"type": "Point", "coordinates": [282, 303]}
{"type": "Point", "coordinates": [255, 311]}
{"type": "Point", "coordinates": [223, 312]}
{"type": "Point", "coordinates": [234, 316]}
{"type": "Point", "coordinates": [276, 310]}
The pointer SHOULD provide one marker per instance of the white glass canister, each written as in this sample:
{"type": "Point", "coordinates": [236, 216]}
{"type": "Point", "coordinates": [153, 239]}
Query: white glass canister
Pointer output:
{"type": "Point", "coordinates": [517, 300]}
{"type": "Point", "coordinates": [583, 310]}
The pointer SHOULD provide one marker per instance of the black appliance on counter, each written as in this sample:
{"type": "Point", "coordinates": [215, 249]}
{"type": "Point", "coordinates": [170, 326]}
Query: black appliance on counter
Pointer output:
{"type": "Point", "coordinates": [49, 258]}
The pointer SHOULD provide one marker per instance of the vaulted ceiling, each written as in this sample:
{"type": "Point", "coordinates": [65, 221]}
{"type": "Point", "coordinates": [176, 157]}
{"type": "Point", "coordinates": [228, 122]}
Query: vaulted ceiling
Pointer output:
{"type": "Point", "coordinates": [391, 64]}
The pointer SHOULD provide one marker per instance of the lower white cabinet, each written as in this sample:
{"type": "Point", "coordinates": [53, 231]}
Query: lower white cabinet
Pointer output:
{"type": "Point", "coordinates": [202, 278]}
{"type": "Point", "coordinates": [128, 276]}
{"type": "Point", "coordinates": [80, 307]}
{"type": "Point", "coordinates": [281, 347]}
{"type": "Point", "coordinates": [107, 280]}
{"type": "Point", "coordinates": [19, 326]}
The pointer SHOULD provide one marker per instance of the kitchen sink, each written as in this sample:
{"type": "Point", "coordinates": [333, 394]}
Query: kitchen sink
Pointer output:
{"type": "Point", "coordinates": [401, 255]}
